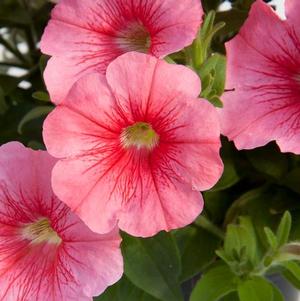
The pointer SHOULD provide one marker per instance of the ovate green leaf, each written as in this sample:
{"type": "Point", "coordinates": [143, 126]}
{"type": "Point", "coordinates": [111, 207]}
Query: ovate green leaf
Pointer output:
{"type": "Point", "coordinates": [215, 284]}
{"type": "Point", "coordinates": [153, 265]}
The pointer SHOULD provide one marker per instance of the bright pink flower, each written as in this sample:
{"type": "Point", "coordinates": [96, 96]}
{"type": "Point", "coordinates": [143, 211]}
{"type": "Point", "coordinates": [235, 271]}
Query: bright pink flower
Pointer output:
{"type": "Point", "coordinates": [135, 146]}
{"type": "Point", "coordinates": [264, 71]}
{"type": "Point", "coordinates": [46, 252]}
{"type": "Point", "coordinates": [85, 36]}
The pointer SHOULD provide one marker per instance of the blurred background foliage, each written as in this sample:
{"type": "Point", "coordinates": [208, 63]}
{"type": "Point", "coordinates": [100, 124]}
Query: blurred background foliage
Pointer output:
{"type": "Point", "coordinates": [239, 239]}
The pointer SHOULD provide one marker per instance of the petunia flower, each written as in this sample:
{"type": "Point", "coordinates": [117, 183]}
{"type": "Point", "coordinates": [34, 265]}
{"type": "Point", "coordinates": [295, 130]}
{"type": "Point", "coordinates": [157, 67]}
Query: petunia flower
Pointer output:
{"type": "Point", "coordinates": [135, 147]}
{"type": "Point", "coordinates": [85, 36]}
{"type": "Point", "coordinates": [264, 76]}
{"type": "Point", "coordinates": [47, 252]}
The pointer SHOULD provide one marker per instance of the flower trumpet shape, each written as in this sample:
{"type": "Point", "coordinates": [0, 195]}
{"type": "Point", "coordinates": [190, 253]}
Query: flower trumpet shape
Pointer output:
{"type": "Point", "coordinates": [47, 252]}
{"type": "Point", "coordinates": [135, 147]}
{"type": "Point", "coordinates": [85, 36]}
{"type": "Point", "coordinates": [264, 76]}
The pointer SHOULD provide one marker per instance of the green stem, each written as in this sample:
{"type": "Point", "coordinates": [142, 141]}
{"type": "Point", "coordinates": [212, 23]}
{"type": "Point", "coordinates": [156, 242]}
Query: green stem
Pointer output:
{"type": "Point", "coordinates": [13, 50]}
{"type": "Point", "coordinates": [31, 72]}
{"type": "Point", "coordinates": [11, 64]}
{"type": "Point", "coordinates": [206, 224]}
{"type": "Point", "coordinates": [169, 60]}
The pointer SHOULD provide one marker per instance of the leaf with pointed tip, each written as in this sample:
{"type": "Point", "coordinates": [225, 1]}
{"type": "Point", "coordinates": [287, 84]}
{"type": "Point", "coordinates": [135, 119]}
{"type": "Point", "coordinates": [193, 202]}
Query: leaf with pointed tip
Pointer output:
{"type": "Point", "coordinates": [259, 289]}
{"type": "Point", "coordinates": [284, 229]}
{"type": "Point", "coordinates": [35, 113]}
{"type": "Point", "coordinates": [218, 282]}
{"type": "Point", "coordinates": [124, 290]}
{"type": "Point", "coordinates": [153, 264]}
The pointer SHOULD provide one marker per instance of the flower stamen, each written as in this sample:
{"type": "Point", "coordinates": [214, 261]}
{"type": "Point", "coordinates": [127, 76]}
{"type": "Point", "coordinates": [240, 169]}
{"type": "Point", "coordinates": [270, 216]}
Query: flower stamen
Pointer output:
{"type": "Point", "coordinates": [135, 37]}
{"type": "Point", "coordinates": [41, 231]}
{"type": "Point", "coordinates": [139, 135]}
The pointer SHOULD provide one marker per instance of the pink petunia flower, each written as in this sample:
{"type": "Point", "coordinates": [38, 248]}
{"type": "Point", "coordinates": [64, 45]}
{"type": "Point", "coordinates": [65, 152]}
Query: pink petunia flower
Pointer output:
{"type": "Point", "coordinates": [47, 252]}
{"type": "Point", "coordinates": [85, 36]}
{"type": "Point", "coordinates": [264, 72]}
{"type": "Point", "coordinates": [137, 153]}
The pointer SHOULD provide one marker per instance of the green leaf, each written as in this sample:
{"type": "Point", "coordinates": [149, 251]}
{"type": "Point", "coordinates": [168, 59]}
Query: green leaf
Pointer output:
{"type": "Point", "coordinates": [272, 239]}
{"type": "Point", "coordinates": [216, 101]}
{"type": "Point", "coordinates": [41, 95]}
{"type": "Point", "coordinates": [35, 145]}
{"type": "Point", "coordinates": [251, 242]}
{"type": "Point", "coordinates": [212, 73]}
{"type": "Point", "coordinates": [234, 240]}
{"type": "Point", "coordinates": [201, 46]}
{"type": "Point", "coordinates": [9, 83]}
{"type": "Point", "coordinates": [284, 229]}
{"type": "Point", "coordinates": [153, 265]}
{"type": "Point", "coordinates": [277, 295]}
{"type": "Point", "coordinates": [197, 250]}
{"type": "Point", "coordinates": [230, 175]}
{"type": "Point", "coordinates": [35, 113]}
{"type": "Point", "coordinates": [291, 180]}
{"type": "Point", "coordinates": [231, 297]}
{"type": "Point", "coordinates": [269, 160]}
{"type": "Point", "coordinates": [265, 205]}
{"type": "Point", "coordinates": [215, 284]}
{"type": "Point", "coordinates": [258, 289]}
{"type": "Point", "coordinates": [291, 272]}
{"type": "Point", "coordinates": [216, 203]}
{"type": "Point", "coordinates": [124, 290]}
{"type": "Point", "coordinates": [240, 242]}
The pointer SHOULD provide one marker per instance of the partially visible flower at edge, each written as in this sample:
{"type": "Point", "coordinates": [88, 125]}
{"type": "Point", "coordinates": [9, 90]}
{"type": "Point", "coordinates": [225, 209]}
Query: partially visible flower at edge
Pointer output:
{"type": "Point", "coordinates": [47, 252]}
{"type": "Point", "coordinates": [136, 147]}
{"type": "Point", "coordinates": [264, 75]}
{"type": "Point", "coordinates": [85, 36]}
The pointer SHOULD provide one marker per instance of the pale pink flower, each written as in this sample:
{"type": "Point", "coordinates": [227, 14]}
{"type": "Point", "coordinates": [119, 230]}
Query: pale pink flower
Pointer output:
{"type": "Point", "coordinates": [85, 36]}
{"type": "Point", "coordinates": [264, 73]}
{"type": "Point", "coordinates": [46, 252]}
{"type": "Point", "coordinates": [135, 146]}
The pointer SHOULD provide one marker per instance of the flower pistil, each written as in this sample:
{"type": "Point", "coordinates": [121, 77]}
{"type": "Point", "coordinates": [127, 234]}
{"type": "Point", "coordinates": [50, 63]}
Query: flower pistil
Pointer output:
{"type": "Point", "coordinates": [41, 231]}
{"type": "Point", "coordinates": [139, 135]}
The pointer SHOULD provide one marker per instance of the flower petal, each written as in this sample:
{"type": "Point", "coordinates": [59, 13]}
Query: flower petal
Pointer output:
{"type": "Point", "coordinates": [62, 72]}
{"type": "Point", "coordinates": [86, 116]}
{"type": "Point", "coordinates": [82, 265]}
{"type": "Point", "coordinates": [87, 37]}
{"type": "Point", "coordinates": [292, 8]}
{"type": "Point", "coordinates": [192, 142]}
{"type": "Point", "coordinates": [264, 105]}
{"type": "Point", "coordinates": [98, 173]}
{"type": "Point", "coordinates": [158, 82]}
{"type": "Point", "coordinates": [94, 200]}
{"type": "Point", "coordinates": [15, 171]}
{"type": "Point", "coordinates": [159, 203]}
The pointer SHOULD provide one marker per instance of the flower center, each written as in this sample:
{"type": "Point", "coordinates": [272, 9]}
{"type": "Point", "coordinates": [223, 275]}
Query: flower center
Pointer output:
{"type": "Point", "coordinates": [139, 135]}
{"type": "Point", "coordinates": [41, 232]}
{"type": "Point", "coordinates": [134, 37]}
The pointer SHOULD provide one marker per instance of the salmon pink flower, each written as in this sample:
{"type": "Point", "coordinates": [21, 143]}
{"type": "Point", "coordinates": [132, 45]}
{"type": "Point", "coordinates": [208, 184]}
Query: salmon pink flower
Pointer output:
{"type": "Point", "coordinates": [135, 146]}
{"type": "Point", "coordinates": [47, 252]}
{"type": "Point", "coordinates": [85, 36]}
{"type": "Point", "coordinates": [264, 73]}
